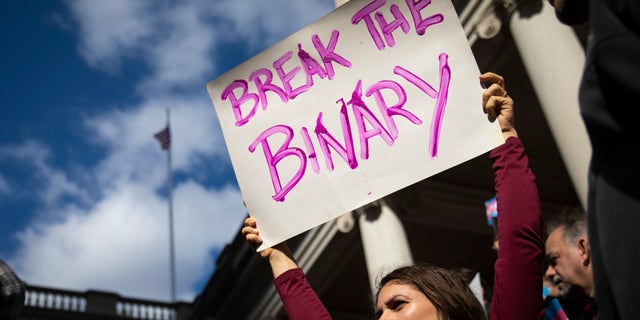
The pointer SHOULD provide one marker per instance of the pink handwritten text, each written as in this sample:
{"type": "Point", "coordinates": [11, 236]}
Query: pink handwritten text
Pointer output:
{"type": "Point", "coordinates": [244, 103]}
{"type": "Point", "coordinates": [387, 28]}
{"type": "Point", "coordinates": [367, 126]}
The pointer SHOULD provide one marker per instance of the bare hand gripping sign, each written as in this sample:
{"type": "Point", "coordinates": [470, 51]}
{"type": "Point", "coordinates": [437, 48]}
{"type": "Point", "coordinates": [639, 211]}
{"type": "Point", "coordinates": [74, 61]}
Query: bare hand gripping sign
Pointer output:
{"type": "Point", "coordinates": [375, 96]}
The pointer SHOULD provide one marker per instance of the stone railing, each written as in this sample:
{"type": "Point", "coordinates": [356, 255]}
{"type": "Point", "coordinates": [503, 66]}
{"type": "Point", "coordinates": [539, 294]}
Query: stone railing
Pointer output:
{"type": "Point", "coordinates": [55, 299]}
{"type": "Point", "coordinates": [99, 304]}
{"type": "Point", "coordinates": [140, 309]}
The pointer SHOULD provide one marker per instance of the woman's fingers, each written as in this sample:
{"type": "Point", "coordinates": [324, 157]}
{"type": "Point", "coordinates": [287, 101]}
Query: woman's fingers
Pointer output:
{"type": "Point", "coordinates": [250, 222]}
{"type": "Point", "coordinates": [254, 238]}
{"type": "Point", "coordinates": [489, 78]}
{"type": "Point", "coordinates": [250, 228]}
{"type": "Point", "coordinates": [493, 91]}
{"type": "Point", "coordinates": [494, 96]}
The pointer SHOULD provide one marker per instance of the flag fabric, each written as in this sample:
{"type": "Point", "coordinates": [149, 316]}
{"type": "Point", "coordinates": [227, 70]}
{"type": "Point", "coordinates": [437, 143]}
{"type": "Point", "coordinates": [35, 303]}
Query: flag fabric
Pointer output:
{"type": "Point", "coordinates": [164, 137]}
{"type": "Point", "coordinates": [553, 309]}
{"type": "Point", "coordinates": [491, 208]}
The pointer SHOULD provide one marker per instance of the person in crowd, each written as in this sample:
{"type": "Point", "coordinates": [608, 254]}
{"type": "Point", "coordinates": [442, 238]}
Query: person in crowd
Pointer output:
{"type": "Point", "coordinates": [569, 259]}
{"type": "Point", "coordinates": [518, 268]}
{"type": "Point", "coordinates": [608, 94]}
{"type": "Point", "coordinates": [416, 291]}
{"type": "Point", "coordinates": [423, 291]}
{"type": "Point", "coordinates": [12, 293]}
{"type": "Point", "coordinates": [550, 290]}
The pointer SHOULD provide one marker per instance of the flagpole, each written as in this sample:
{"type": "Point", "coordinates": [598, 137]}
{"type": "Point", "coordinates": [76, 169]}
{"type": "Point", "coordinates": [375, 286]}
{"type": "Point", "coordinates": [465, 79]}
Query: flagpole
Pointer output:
{"type": "Point", "coordinates": [171, 241]}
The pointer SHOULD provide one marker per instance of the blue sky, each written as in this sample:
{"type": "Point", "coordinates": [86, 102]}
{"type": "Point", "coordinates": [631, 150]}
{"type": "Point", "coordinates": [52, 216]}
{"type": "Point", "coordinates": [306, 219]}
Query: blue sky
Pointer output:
{"type": "Point", "coordinates": [84, 86]}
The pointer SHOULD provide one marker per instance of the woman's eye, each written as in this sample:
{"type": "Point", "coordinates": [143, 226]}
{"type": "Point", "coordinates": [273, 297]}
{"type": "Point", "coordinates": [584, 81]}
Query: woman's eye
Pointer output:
{"type": "Point", "coordinates": [397, 304]}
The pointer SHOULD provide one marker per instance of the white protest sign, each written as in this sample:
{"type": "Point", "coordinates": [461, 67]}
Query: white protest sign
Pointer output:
{"type": "Point", "coordinates": [371, 98]}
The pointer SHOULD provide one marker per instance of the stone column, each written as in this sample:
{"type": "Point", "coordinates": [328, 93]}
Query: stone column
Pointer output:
{"type": "Point", "coordinates": [384, 241]}
{"type": "Point", "coordinates": [554, 60]}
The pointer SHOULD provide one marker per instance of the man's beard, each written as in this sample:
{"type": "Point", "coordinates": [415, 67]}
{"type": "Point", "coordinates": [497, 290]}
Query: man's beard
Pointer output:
{"type": "Point", "coordinates": [568, 291]}
{"type": "Point", "coordinates": [564, 288]}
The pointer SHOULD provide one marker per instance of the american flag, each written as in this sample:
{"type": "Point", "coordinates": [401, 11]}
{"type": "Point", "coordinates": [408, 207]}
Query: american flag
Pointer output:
{"type": "Point", "coordinates": [164, 137]}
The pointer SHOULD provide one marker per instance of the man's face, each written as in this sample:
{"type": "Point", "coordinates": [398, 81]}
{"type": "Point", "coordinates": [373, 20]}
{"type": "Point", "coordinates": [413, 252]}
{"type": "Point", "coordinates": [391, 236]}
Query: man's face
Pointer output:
{"type": "Point", "coordinates": [566, 267]}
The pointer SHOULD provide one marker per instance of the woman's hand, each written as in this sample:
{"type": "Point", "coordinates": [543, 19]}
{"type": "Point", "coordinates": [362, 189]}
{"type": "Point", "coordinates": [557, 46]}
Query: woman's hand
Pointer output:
{"type": "Point", "coordinates": [497, 104]}
{"type": "Point", "coordinates": [279, 256]}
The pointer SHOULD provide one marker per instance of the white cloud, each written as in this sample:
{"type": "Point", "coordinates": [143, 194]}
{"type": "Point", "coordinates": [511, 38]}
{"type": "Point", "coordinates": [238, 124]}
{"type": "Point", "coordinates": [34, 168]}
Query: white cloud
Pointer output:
{"type": "Point", "coordinates": [183, 57]}
{"type": "Point", "coordinates": [112, 30]}
{"type": "Point", "coordinates": [123, 237]}
{"type": "Point", "coordinates": [177, 40]}
{"type": "Point", "coordinates": [135, 154]}
{"type": "Point", "coordinates": [204, 220]}
{"type": "Point", "coordinates": [127, 228]}
{"type": "Point", "coordinates": [53, 184]}
{"type": "Point", "coordinates": [262, 23]}
{"type": "Point", "coordinates": [122, 243]}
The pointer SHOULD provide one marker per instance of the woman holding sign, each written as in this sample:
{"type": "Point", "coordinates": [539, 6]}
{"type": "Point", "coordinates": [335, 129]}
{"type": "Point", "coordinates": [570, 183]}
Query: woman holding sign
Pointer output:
{"type": "Point", "coordinates": [428, 292]}
{"type": "Point", "coordinates": [411, 292]}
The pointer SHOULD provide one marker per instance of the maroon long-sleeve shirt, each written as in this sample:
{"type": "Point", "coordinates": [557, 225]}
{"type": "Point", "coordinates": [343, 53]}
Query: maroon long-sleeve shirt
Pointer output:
{"type": "Point", "coordinates": [299, 299]}
{"type": "Point", "coordinates": [519, 267]}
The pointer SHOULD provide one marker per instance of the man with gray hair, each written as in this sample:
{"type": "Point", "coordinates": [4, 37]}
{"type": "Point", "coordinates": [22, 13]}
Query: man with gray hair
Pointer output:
{"type": "Point", "coordinates": [569, 258]}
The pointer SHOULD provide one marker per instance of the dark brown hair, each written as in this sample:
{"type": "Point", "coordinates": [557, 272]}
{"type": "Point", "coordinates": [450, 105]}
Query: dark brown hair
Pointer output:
{"type": "Point", "coordinates": [447, 291]}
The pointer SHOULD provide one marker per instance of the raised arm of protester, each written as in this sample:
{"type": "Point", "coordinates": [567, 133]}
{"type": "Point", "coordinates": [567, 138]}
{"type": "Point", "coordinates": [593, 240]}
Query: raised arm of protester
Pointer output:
{"type": "Point", "coordinates": [299, 299]}
{"type": "Point", "coordinates": [518, 269]}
